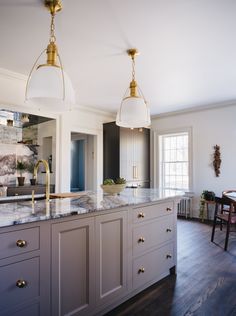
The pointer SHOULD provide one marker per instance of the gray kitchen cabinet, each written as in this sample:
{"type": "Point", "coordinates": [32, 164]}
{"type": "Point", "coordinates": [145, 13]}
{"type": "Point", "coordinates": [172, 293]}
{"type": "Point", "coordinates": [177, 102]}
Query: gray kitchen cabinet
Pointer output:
{"type": "Point", "coordinates": [153, 242]}
{"type": "Point", "coordinates": [24, 270]}
{"type": "Point", "coordinates": [86, 264]}
{"type": "Point", "coordinates": [73, 267]}
{"type": "Point", "coordinates": [111, 256]}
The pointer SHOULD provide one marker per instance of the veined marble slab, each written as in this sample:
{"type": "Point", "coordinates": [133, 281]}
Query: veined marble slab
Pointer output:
{"type": "Point", "coordinates": [26, 212]}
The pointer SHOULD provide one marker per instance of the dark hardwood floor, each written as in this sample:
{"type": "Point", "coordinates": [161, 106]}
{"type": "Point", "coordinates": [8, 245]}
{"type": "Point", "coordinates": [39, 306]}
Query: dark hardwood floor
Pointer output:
{"type": "Point", "coordinates": [205, 284]}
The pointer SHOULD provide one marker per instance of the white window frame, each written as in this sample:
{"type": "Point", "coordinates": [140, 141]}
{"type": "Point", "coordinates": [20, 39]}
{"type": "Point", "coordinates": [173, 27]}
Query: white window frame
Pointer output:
{"type": "Point", "coordinates": [156, 153]}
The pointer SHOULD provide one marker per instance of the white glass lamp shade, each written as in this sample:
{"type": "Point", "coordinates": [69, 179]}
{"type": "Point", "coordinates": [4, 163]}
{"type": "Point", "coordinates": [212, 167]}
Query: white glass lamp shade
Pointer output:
{"type": "Point", "coordinates": [45, 88]}
{"type": "Point", "coordinates": [133, 113]}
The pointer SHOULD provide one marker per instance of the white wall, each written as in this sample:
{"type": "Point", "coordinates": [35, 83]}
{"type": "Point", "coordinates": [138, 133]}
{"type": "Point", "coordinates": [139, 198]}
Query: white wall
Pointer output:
{"type": "Point", "coordinates": [88, 121]}
{"type": "Point", "coordinates": [209, 127]}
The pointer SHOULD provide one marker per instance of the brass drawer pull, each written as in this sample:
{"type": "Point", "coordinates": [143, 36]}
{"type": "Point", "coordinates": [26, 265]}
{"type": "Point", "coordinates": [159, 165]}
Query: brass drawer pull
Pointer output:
{"type": "Point", "coordinates": [21, 284]}
{"type": "Point", "coordinates": [168, 256]}
{"type": "Point", "coordinates": [141, 239]}
{"type": "Point", "coordinates": [168, 209]}
{"type": "Point", "coordinates": [141, 270]}
{"type": "Point", "coordinates": [168, 230]}
{"type": "Point", "coordinates": [21, 243]}
{"type": "Point", "coordinates": [141, 215]}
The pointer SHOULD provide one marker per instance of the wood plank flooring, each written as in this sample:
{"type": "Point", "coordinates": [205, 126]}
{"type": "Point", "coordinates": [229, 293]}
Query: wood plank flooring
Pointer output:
{"type": "Point", "coordinates": [205, 284]}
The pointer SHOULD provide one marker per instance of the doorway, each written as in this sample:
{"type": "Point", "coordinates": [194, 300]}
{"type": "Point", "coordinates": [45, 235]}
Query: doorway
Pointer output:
{"type": "Point", "coordinates": [77, 165]}
{"type": "Point", "coordinates": [82, 162]}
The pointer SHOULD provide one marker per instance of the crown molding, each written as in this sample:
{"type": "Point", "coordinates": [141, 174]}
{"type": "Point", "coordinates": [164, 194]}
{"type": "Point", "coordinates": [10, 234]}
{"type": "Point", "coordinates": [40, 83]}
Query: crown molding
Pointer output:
{"type": "Point", "coordinates": [87, 108]}
{"type": "Point", "coordinates": [210, 106]}
{"type": "Point", "coordinates": [5, 73]}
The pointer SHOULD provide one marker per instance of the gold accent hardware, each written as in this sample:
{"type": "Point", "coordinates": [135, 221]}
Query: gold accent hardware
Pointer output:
{"type": "Point", "coordinates": [141, 270]}
{"type": "Point", "coordinates": [168, 209]}
{"type": "Point", "coordinates": [135, 172]}
{"type": "Point", "coordinates": [168, 230]}
{"type": "Point", "coordinates": [53, 5]}
{"type": "Point", "coordinates": [21, 284]}
{"type": "Point", "coordinates": [141, 215]}
{"type": "Point", "coordinates": [133, 52]}
{"type": "Point", "coordinates": [21, 243]}
{"type": "Point", "coordinates": [168, 256]}
{"type": "Point", "coordinates": [47, 175]}
{"type": "Point", "coordinates": [141, 239]}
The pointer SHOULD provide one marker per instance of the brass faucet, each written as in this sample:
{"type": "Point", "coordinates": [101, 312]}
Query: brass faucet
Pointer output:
{"type": "Point", "coordinates": [45, 163]}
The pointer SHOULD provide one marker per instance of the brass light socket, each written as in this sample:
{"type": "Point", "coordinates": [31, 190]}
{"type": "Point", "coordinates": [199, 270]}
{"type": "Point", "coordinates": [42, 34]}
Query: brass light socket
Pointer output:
{"type": "Point", "coordinates": [52, 54]}
{"type": "Point", "coordinates": [133, 88]}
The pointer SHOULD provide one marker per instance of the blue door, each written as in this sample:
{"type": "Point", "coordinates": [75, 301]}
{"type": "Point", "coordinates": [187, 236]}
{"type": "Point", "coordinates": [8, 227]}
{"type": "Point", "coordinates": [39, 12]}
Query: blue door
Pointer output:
{"type": "Point", "coordinates": [77, 165]}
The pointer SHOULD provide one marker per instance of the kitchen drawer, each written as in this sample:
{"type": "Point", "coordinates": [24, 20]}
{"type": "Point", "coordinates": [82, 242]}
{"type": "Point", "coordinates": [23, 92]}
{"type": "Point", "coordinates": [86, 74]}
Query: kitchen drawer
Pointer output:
{"type": "Point", "coordinates": [31, 310]}
{"type": "Point", "coordinates": [18, 242]}
{"type": "Point", "coordinates": [10, 293]}
{"type": "Point", "coordinates": [152, 265]}
{"type": "Point", "coordinates": [152, 234]}
{"type": "Point", "coordinates": [144, 213]}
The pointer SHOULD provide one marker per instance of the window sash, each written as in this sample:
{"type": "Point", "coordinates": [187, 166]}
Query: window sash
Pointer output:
{"type": "Point", "coordinates": [174, 161]}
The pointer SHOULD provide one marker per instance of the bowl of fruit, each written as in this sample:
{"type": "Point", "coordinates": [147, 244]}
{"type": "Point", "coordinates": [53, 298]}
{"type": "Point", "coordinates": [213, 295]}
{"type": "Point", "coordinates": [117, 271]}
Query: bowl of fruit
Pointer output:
{"type": "Point", "coordinates": [113, 187]}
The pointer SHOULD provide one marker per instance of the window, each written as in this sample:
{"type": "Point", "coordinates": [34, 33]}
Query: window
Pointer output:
{"type": "Point", "coordinates": [174, 161]}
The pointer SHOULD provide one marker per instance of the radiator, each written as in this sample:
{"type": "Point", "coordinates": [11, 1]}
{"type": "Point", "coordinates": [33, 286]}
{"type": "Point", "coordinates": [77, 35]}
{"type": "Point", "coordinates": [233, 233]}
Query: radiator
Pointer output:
{"type": "Point", "coordinates": [184, 207]}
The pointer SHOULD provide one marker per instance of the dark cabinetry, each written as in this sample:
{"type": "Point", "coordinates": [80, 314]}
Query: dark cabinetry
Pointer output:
{"type": "Point", "coordinates": [127, 154]}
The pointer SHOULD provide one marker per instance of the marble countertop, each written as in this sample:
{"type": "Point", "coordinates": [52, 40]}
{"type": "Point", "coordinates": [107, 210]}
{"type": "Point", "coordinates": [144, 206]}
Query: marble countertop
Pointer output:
{"type": "Point", "coordinates": [25, 212]}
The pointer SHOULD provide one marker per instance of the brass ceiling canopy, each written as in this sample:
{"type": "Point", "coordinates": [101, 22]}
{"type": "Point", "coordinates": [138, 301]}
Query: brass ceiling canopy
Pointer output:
{"type": "Point", "coordinates": [53, 6]}
{"type": "Point", "coordinates": [133, 52]}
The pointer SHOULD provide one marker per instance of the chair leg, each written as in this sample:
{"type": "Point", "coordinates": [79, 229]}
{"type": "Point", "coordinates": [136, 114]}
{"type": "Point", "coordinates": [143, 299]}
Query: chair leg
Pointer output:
{"type": "Point", "coordinates": [227, 236]}
{"type": "Point", "coordinates": [221, 224]}
{"type": "Point", "coordinates": [213, 230]}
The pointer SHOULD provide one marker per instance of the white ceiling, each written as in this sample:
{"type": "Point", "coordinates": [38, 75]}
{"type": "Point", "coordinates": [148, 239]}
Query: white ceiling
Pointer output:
{"type": "Point", "coordinates": [188, 48]}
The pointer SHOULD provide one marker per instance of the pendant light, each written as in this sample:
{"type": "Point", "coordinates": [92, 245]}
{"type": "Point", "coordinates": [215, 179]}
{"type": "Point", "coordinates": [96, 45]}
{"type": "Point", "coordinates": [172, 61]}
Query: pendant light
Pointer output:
{"type": "Point", "coordinates": [48, 84]}
{"type": "Point", "coordinates": [134, 111]}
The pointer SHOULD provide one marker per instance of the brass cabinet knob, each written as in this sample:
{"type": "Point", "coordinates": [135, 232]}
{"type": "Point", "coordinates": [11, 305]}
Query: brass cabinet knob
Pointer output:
{"type": "Point", "coordinates": [168, 209]}
{"type": "Point", "coordinates": [168, 256]}
{"type": "Point", "coordinates": [168, 230]}
{"type": "Point", "coordinates": [21, 284]}
{"type": "Point", "coordinates": [141, 270]}
{"type": "Point", "coordinates": [141, 239]}
{"type": "Point", "coordinates": [21, 243]}
{"type": "Point", "coordinates": [141, 215]}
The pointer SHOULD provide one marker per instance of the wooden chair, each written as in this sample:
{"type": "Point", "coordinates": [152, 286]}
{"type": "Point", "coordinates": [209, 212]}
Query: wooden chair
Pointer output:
{"type": "Point", "coordinates": [224, 214]}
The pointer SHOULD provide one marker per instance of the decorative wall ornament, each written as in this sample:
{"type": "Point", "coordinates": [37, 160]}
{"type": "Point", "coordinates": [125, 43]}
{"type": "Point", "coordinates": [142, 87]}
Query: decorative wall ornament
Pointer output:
{"type": "Point", "coordinates": [217, 160]}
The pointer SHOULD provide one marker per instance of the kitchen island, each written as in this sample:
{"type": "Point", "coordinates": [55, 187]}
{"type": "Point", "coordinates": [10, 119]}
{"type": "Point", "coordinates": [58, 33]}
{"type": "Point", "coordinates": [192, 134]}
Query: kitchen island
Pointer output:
{"type": "Point", "coordinates": [86, 254]}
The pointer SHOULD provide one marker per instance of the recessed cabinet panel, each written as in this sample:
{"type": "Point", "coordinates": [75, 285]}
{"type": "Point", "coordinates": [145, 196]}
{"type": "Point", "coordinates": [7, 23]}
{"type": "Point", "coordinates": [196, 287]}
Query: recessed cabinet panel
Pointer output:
{"type": "Point", "coordinates": [152, 265]}
{"type": "Point", "coordinates": [19, 242]}
{"type": "Point", "coordinates": [142, 214]}
{"type": "Point", "coordinates": [19, 283]}
{"type": "Point", "coordinates": [72, 267]}
{"type": "Point", "coordinates": [111, 255]}
{"type": "Point", "coordinates": [152, 234]}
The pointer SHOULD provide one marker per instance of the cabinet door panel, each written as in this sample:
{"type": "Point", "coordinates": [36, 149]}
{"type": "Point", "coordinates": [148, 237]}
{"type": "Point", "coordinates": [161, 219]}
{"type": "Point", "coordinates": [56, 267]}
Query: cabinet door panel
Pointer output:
{"type": "Point", "coordinates": [153, 265]}
{"type": "Point", "coordinates": [8, 245]}
{"type": "Point", "coordinates": [72, 267]}
{"type": "Point", "coordinates": [10, 275]}
{"type": "Point", "coordinates": [111, 255]}
{"type": "Point", "coordinates": [152, 234]}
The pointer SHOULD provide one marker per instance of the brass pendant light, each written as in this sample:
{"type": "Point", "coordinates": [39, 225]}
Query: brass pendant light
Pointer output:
{"type": "Point", "coordinates": [48, 84]}
{"type": "Point", "coordinates": [134, 111]}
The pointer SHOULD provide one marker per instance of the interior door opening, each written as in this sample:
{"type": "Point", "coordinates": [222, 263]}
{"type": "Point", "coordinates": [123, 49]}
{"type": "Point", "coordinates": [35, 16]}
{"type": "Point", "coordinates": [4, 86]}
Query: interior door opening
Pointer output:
{"type": "Point", "coordinates": [82, 162]}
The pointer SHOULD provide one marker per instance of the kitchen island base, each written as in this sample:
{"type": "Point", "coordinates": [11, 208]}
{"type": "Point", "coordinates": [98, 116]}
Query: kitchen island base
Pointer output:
{"type": "Point", "coordinates": [86, 264]}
